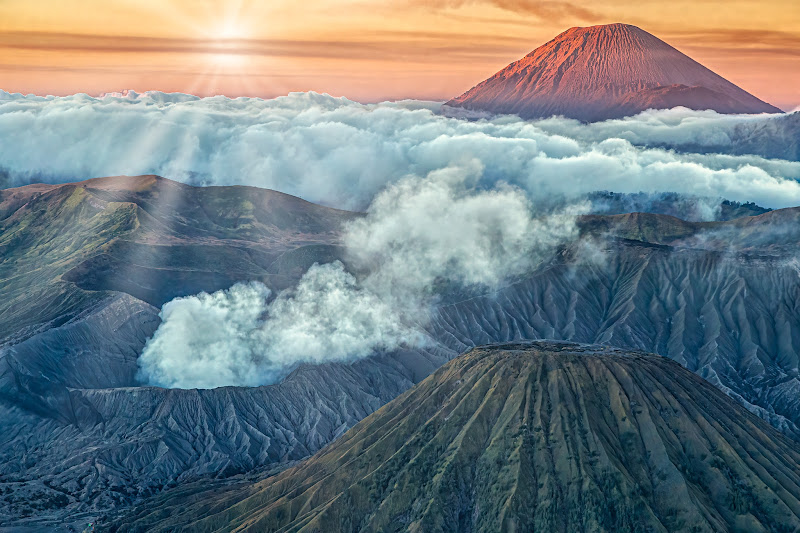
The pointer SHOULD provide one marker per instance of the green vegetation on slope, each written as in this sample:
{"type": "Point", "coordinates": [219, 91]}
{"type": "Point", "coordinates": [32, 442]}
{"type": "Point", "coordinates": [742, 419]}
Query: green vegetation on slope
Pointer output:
{"type": "Point", "coordinates": [41, 240]}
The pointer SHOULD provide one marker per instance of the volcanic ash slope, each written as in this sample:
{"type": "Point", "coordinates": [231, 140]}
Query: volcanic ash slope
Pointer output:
{"type": "Point", "coordinates": [536, 436]}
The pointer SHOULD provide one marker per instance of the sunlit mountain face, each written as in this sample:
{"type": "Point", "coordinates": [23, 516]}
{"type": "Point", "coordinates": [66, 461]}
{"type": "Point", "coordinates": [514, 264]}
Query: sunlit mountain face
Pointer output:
{"type": "Point", "coordinates": [261, 267]}
{"type": "Point", "coordinates": [586, 74]}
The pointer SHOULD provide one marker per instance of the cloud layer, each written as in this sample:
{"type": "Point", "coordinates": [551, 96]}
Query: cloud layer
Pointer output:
{"type": "Point", "coordinates": [208, 340]}
{"type": "Point", "coordinates": [341, 153]}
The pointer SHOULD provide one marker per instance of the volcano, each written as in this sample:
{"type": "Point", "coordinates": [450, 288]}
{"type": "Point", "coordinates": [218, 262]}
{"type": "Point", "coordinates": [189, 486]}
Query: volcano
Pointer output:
{"type": "Point", "coordinates": [603, 72]}
{"type": "Point", "coordinates": [524, 436]}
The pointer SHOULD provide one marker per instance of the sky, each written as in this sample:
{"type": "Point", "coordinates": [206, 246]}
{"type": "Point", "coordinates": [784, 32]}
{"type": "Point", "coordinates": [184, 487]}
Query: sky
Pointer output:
{"type": "Point", "coordinates": [368, 51]}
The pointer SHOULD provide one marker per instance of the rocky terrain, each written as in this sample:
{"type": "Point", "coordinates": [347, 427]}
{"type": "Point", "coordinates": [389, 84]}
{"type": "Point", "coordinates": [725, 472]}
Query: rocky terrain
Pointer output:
{"type": "Point", "coordinates": [540, 436]}
{"type": "Point", "coordinates": [602, 72]}
{"type": "Point", "coordinates": [86, 267]}
{"type": "Point", "coordinates": [732, 320]}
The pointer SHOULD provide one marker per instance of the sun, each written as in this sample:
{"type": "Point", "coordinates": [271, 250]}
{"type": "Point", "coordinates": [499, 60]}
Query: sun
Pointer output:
{"type": "Point", "coordinates": [228, 45]}
{"type": "Point", "coordinates": [229, 30]}
{"type": "Point", "coordinates": [229, 52]}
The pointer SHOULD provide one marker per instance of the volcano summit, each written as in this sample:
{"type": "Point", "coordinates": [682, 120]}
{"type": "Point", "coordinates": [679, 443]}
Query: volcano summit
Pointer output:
{"type": "Point", "coordinates": [603, 72]}
{"type": "Point", "coordinates": [524, 436]}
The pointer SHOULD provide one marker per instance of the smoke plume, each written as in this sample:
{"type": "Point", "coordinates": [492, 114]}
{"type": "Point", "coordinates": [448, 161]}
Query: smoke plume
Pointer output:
{"type": "Point", "coordinates": [416, 233]}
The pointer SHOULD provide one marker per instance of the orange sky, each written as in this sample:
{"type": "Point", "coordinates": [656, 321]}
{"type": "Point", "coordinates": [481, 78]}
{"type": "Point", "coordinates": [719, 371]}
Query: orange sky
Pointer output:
{"type": "Point", "coordinates": [365, 50]}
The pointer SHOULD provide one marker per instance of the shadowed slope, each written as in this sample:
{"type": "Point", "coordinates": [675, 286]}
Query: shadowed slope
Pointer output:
{"type": "Point", "coordinates": [538, 436]}
{"type": "Point", "coordinates": [83, 269]}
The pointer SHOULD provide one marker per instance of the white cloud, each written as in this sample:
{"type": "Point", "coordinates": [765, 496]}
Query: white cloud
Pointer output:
{"type": "Point", "coordinates": [341, 153]}
{"type": "Point", "coordinates": [329, 317]}
{"type": "Point", "coordinates": [419, 230]}
{"type": "Point", "coordinates": [208, 340]}
{"type": "Point", "coordinates": [234, 337]}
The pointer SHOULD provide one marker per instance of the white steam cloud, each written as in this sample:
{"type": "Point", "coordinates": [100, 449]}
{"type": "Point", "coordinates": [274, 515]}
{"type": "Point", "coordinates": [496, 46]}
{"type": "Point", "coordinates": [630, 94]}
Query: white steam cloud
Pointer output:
{"type": "Point", "coordinates": [442, 227]}
{"type": "Point", "coordinates": [233, 337]}
{"type": "Point", "coordinates": [341, 153]}
{"type": "Point", "coordinates": [417, 232]}
{"type": "Point", "coordinates": [208, 340]}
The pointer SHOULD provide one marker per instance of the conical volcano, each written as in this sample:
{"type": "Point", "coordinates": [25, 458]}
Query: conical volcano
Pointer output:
{"type": "Point", "coordinates": [603, 72]}
{"type": "Point", "coordinates": [534, 436]}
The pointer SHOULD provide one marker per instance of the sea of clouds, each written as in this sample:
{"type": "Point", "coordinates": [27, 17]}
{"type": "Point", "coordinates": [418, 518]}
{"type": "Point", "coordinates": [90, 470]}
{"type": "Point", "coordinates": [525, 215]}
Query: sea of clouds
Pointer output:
{"type": "Point", "coordinates": [342, 153]}
{"type": "Point", "coordinates": [468, 202]}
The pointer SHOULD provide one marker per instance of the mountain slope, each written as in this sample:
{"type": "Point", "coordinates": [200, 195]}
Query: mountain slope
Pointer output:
{"type": "Point", "coordinates": [66, 454]}
{"type": "Point", "coordinates": [85, 265]}
{"type": "Point", "coordinates": [541, 436]}
{"type": "Point", "coordinates": [720, 298]}
{"type": "Point", "coordinates": [602, 72]}
{"type": "Point", "coordinates": [83, 270]}
{"type": "Point", "coordinates": [775, 137]}
{"type": "Point", "coordinates": [150, 237]}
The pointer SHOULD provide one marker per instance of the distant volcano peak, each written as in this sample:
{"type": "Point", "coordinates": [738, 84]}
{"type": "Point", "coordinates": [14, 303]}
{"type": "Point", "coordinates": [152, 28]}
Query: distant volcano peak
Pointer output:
{"type": "Point", "coordinates": [608, 29]}
{"type": "Point", "coordinates": [599, 72]}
